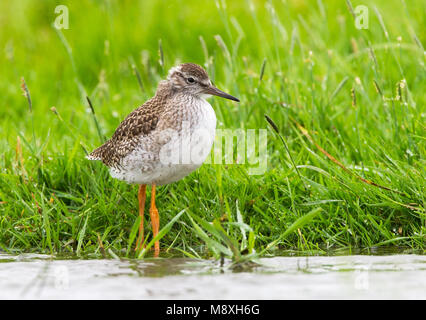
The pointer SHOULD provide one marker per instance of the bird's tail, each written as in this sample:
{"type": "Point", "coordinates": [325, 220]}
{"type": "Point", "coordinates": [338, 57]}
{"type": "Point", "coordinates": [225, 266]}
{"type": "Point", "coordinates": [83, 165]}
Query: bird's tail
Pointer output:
{"type": "Point", "coordinates": [92, 157]}
{"type": "Point", "coordinates": [96, 154]}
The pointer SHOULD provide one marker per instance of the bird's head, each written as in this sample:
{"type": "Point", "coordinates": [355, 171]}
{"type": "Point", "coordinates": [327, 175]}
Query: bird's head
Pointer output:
{"type": "Point", "coordinates": [192, 79]}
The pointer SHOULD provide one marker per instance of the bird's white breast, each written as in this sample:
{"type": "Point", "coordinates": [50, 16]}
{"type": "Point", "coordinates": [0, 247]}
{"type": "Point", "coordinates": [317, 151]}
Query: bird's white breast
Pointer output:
{"type": "Point", "coordinates": [168, 155]}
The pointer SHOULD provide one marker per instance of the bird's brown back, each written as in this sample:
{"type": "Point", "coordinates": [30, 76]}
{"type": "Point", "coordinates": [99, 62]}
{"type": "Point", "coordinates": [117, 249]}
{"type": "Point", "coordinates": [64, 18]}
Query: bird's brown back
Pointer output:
{"type": "Point", "coordinates": [141, 121]}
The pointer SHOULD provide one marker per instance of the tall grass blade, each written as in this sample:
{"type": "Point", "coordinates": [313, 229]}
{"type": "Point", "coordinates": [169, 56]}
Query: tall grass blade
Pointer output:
{"type": "Point", "coordinates": [82, 232]}
{"type": "Point", "coordinates": [339, 87]}
{"type": "Point", "coordinates": [275, 127]}
{"type": "Point", "coordinates": [95, 119]}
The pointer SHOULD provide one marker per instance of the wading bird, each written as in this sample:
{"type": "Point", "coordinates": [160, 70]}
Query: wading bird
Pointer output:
{"type": "Point", "coordinates": [165, 139]}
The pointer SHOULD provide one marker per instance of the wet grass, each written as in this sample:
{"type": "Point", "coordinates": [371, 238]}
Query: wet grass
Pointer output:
{"type": "Point", "coordinates": [345, 118]}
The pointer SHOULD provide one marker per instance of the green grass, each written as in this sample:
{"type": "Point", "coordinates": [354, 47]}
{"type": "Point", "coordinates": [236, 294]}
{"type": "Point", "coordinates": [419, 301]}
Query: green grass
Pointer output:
{"type": "Point", "coordinates": [349, 104]}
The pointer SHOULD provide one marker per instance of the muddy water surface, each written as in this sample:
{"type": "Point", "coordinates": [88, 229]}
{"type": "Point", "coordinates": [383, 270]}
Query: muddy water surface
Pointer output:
{"type": "Point", "coordinates": [31, 276]}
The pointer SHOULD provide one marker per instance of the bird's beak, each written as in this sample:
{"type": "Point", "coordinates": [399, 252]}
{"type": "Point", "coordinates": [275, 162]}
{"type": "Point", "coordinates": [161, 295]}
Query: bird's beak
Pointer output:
{"type": "Point", "coordinates": [216, 92]}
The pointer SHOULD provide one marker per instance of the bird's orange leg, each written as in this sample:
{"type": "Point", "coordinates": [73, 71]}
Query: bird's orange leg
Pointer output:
{"type": "Point", "coordinates": [141, 198]}
{"type": "Point", "coordinates": [155, 220]}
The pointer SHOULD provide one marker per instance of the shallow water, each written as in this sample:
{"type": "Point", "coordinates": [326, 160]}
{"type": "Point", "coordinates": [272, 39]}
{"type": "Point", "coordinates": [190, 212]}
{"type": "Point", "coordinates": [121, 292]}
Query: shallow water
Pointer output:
{"type": "Point", "coordinates": [32, 276]}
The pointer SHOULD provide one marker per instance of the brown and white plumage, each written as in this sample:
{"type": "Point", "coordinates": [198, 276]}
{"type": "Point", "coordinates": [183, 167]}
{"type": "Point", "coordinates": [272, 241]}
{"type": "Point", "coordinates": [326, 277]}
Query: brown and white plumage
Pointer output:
{"type": "Point", "coordinates": [141, 122]}
{"type": "Point", "coordinates": [134, 152]}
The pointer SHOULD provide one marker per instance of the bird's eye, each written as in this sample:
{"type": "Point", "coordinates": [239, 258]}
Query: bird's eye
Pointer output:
{"type": "Point", "coordinates": [190, 80]}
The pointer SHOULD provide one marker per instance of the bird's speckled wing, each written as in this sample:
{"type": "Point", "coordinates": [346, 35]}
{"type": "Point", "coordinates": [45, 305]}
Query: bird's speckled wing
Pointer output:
{"type": "Point", "coordinates": [141, 121]}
